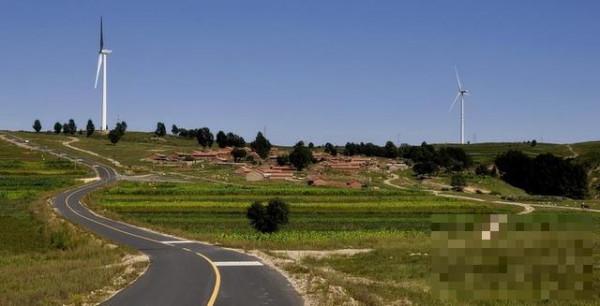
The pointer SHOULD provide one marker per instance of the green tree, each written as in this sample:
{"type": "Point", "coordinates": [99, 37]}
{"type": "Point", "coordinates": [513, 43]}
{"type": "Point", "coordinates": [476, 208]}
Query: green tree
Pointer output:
{"type": "Point", "coordinates": [331, 149]}
{"type": "Point", "coordinates": [90, 128]}
{"type": "Point", "coordinates": [268, 219]}
{"type": "Point", "coordinates": [161, 130]}
{"type": "Point", "coordinates": [72, 126]}
{"type": "Point", "coordinates": [391, 151]}
{"type": "Point", "coordinates": [301, 156]}
{"type": "Point", "coordinates": [311, 145]}
{"type": "Point", "coordinates": [114, 136]}
{"type": "Point", "coordinates": [205, 137]}
{"type": "Point", "coordinates": [283, 160]}
{"type": "Point", "coordinates": [222, 139]}
{"type": "Point", "coordinates": [238, 154]}
{"type": "Point", "coordinates": [261, 146]}
{"type": "Point", "coordinates": [66, 128]}
{"type": "Point", "coordinates": [37, 125]}
{"type": "Point", "coordinates": [458, 182]}
{"type": "Point", "coordinates": [174, 129]}
{"type": "Point", "coordinates": [57, 127]}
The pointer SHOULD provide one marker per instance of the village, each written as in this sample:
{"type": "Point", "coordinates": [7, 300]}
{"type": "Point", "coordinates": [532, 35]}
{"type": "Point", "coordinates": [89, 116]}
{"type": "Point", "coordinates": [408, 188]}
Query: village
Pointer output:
{"type": "Point", "coordinates": [348, 170]}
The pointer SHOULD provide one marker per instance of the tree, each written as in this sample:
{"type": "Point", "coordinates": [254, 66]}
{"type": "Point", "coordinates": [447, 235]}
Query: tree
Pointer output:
{"type": "Point", "coordinates": [311, 145]}
{"type": "Point", "coordinates": [221, 139]}
{"type": "Point", "coordinates": [534, 143]}
{"type": "Point", "coordinates": [261, 145]}
{"type": "Point", "coordinates": [57, 127]}
{"type": "Point", "coordinates": [283, 160]}
{"type": "Point", "coordinates": [174, 129]}
{"type": "Point", "coordinates": [90, 128]}
{"type": "Point", "coordinates": [238, 154]}
{"type": "Point", "coordinates": [426, 168]}
{"type": "Point", "coordinates": [161, 130]}
{"type": "Point", "coordinates": [205, 137]}
{"type": "Point", "coordinates": [114, 136]}
{"type": "Point", "coordinates": [37, 125]}
{"type": "Point", "coordinates": [301, 156]}
{"type": "Point", "coordinates": [72, 127]}
{"type": "Point", "coordinates": [269, 219]}
{"type": "Point", "coordinates": [234, 140]}
{"type": "Point", "coordinates": [331, 149]}
{"type": "Point", "coordinates": [458, 182]}
{"type": "Point", "coordinates": [65, 128]}
{"type": "Point", "coordinates": [120, 128]}
{"type": "Point", "coordinates": [391, 151]}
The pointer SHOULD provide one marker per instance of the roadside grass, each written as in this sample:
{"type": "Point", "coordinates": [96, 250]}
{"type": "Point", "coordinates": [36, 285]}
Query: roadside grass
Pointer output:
{"type": "Point", "coordinates": [44, 260]}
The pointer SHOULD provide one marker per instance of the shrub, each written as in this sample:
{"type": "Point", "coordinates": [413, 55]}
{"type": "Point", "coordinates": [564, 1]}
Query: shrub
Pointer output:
{"type": "Point", "coordinates": [458, 182]}
{"type": "Point", "coordinates": [268, 220]}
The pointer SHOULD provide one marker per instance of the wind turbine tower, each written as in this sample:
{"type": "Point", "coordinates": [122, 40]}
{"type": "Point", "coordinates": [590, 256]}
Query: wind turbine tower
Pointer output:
{"type": "Point", "coordinates": [103, 63]}
{"type": "Point", "coordinates": [462, 92]}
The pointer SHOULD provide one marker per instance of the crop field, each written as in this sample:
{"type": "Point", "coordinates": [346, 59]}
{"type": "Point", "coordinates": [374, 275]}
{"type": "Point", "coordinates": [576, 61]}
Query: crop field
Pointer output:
{"type": "Point", "coordinates": [486, 152]}
{"type": "Point", "coordinates": [320, 218]}
{"type": "Point", "coordinates": [43, 260]}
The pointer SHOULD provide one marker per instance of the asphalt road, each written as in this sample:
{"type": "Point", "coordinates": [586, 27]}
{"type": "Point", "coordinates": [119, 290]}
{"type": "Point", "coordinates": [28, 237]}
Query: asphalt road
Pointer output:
{"type": "Point", "coordinates": [181, 272]}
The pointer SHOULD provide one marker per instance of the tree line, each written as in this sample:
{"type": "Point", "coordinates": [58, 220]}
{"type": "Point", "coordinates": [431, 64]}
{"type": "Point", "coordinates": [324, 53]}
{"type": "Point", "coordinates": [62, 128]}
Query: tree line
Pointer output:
{"type": "Point", "coordinates": [544, 174]}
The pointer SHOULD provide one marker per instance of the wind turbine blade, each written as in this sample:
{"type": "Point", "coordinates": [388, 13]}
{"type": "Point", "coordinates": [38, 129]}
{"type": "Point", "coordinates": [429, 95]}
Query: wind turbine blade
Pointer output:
{"type": "Point", "coordinates": [101, 35]}
{"type": "Point", "coordinates": [455, 99]}
{"type": "Point", "coordinates": [98, 70]}
{"type": "Point", "coordinates": [460, 87]}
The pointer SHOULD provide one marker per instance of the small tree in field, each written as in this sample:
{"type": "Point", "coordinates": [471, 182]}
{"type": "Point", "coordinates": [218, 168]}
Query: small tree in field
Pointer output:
{"type": "Point", "coordinates": [114, 136]}
{"type": "Point", "coordinates": [238, 154]}
{"type": "Point", "coordinates": [72, 126]}
{"type": "Point", "coordinates": [458, 182]}
{"type": "Point", "coordinates": [268, 219]}
{"type": "Point", "coordinates": [37, 125]}
{"type": "Point", "coordinates": [90, 128]}
{"type": "Point", "coordinates": [174, 130]}
{"type": "Point", "coordinates": [57, 127]}
{"type": "Point", "coordinates": [261, 145]}
{"type": "Point", "coordinates": [161, 130]}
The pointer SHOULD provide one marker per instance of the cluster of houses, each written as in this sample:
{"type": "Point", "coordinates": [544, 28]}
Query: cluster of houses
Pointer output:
{"type": "Point", "coordinates": [269, 170]}
{"type": "Point", "coordinates": [221, 155]}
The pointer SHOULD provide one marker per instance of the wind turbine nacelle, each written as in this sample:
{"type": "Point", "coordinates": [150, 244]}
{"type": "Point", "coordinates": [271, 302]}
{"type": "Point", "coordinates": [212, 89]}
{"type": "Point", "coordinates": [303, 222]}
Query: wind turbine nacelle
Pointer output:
{"type": "Point", "coordinates": [105, 51]}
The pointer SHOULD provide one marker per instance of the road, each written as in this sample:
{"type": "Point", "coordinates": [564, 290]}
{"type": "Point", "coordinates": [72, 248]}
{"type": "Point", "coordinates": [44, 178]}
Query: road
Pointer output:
{"type": "Point", "coordinates": [181, 272]}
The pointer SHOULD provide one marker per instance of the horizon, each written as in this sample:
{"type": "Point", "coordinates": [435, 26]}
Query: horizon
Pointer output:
{"type": "Point", "coordinates": [320, 72]}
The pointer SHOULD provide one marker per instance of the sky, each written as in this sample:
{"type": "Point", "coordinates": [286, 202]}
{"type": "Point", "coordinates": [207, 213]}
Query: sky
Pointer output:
{"type": "Point", "coordinates": [320, 71]}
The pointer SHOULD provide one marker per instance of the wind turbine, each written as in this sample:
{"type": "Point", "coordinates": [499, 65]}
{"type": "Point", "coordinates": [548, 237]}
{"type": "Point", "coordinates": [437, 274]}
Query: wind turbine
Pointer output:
{"type": "Point", "coordinates": [462, 92]}
{"type": "Point", "coordinates": [102, 63]}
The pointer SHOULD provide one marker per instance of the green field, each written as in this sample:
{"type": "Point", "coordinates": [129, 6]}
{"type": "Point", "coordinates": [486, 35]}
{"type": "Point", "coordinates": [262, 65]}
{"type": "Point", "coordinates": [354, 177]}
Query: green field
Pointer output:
{"type": "Point", "coordinates": [487, 152]}
{"type": "Point", "coordinates": [42, 259]}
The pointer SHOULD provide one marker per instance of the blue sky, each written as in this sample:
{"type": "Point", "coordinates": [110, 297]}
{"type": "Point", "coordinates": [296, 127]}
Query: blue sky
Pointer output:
{"type": "Point", "coordinates": [320, 71]}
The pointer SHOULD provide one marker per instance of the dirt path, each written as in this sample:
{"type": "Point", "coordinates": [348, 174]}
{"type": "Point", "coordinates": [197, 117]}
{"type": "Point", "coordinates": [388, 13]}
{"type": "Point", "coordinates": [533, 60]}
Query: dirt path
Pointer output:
{"type": "Point", "coordinates": [573, 153]}
{"type": "Point", "coordinates": [527, 208]}
{"type": "Point", "coordinates": [75, 139]}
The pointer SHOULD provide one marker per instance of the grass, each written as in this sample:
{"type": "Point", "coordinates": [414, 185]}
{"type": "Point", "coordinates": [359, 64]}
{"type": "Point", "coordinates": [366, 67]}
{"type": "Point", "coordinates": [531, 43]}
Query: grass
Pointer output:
{"type": "Point", "coordinates": [487, 152]}
{"type": "Point", "coordinates": [321, 218]}
{"type": "Point", "coordinates": [44, 260]}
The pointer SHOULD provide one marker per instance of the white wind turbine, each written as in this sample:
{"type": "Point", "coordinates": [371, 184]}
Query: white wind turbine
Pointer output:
{"type": "Point", "coordinates": [462, 92]}
{"type": "Point", "coordinates": [102, 63]}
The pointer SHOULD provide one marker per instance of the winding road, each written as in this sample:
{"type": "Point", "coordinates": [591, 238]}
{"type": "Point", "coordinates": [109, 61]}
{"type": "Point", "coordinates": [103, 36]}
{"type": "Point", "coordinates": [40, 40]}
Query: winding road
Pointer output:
{"type": "Point", "coordinates": [181, 272]}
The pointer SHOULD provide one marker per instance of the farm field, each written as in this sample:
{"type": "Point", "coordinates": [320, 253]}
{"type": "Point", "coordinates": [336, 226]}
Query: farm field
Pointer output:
{"type": "Point", "coordinates": [393, 223]}
{"type": "Point", "coordinates": [486, 152]}
{"type": "Point", "coordinates": [44, 260]}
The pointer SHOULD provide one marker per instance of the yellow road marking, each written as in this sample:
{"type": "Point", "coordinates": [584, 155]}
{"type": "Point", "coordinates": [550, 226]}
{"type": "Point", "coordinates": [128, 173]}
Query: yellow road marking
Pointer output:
{"type": "Point", "coordinates": [216, 288]}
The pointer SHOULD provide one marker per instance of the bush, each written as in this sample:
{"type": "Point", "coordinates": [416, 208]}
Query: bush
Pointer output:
{"type": "Point", "coordinates": [268, 220]}
{"type": "Point", "coordinates": [458, 182]}
{"type": "Point", "coordinates": [283, 160]}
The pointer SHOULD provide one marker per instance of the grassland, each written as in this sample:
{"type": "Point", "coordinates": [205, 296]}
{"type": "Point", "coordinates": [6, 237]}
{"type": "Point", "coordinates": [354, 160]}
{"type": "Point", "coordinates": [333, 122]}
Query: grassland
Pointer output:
{"type": "Point", "coordinates": [393, 223]}
{"type": "Point", "coordinates": [44, 260]}
{"type": "Point", "coordinates": [486, 152]}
